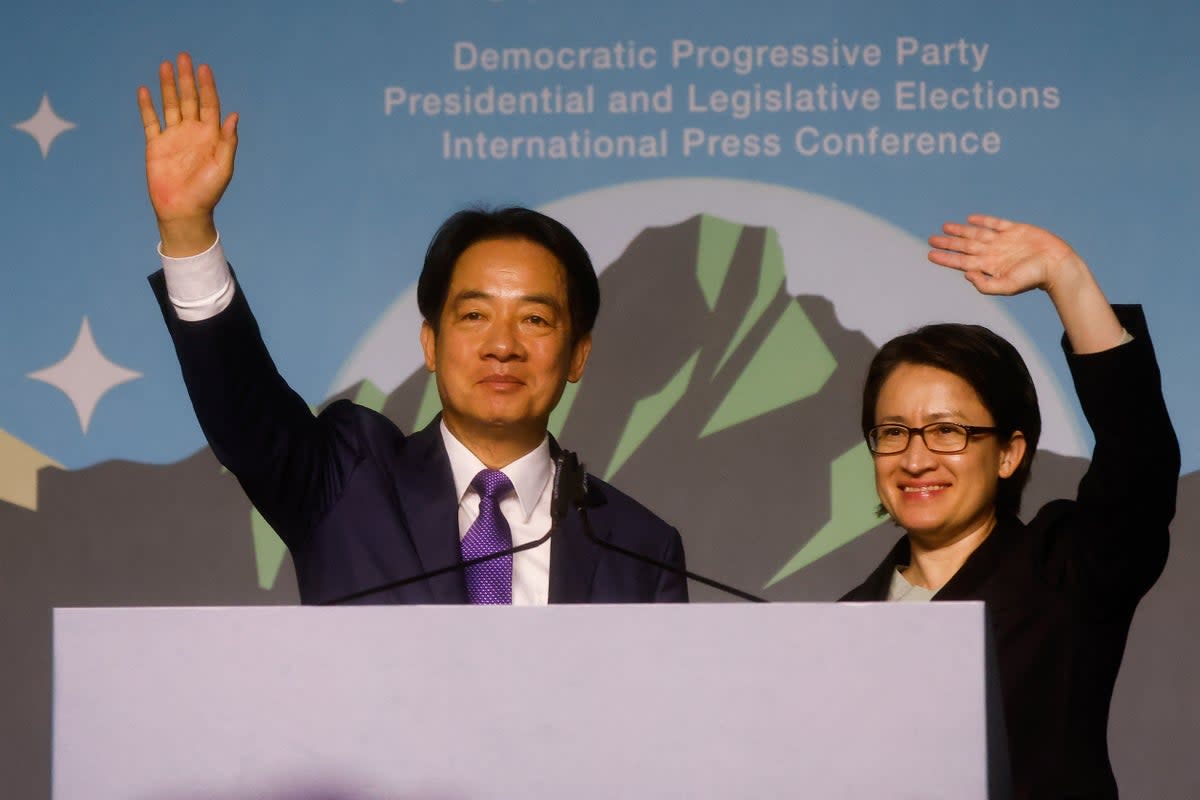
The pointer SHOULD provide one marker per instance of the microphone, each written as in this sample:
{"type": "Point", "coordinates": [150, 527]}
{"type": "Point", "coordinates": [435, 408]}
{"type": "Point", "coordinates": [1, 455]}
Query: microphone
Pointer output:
{"type": "Point", "coordinates": [574, 491]}
{"type": "Point", "coordinates": [561, 499]}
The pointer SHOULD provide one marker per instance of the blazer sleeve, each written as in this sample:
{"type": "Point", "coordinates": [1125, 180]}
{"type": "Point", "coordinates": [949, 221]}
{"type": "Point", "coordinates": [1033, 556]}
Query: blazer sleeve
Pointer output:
{"type": "Point", "coordinates": [672, 588]}
{"type": "Point", "coordinates": [1126, 499]}
{"type": "Point", "coordinates": [291, 463]}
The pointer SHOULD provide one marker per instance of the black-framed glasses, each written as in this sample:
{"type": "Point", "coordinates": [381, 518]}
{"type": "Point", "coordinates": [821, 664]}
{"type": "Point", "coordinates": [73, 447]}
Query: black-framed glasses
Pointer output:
{"type": "Point", "coordinates": [939, 437]}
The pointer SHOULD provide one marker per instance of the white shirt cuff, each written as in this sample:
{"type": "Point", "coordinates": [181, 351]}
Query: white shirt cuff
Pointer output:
{"type": "Point", "coordinates": [199, 286]}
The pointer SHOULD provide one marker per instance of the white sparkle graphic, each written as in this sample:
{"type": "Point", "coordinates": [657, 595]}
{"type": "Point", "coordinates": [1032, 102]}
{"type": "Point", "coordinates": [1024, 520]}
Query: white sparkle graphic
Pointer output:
{"type": "Point", "coordinates": [85, 375]}
{"type": "Point", "coordinates": [45, 126]}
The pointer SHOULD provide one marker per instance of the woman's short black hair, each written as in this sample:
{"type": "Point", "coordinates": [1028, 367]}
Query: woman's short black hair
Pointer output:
{"type": "Point", "coordinates": [991, 366]}
{"type": "Point", "coordinates": [472, 225]}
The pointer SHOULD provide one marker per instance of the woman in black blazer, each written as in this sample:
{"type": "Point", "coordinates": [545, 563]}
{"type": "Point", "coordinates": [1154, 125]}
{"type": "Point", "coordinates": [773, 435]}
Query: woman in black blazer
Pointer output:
{"type": "Point", "coordinates": [951, 417]}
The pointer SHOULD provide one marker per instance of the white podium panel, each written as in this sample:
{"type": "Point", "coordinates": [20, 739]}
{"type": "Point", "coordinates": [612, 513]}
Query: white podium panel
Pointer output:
{"type": "Point", "coordinates": [449, 703]}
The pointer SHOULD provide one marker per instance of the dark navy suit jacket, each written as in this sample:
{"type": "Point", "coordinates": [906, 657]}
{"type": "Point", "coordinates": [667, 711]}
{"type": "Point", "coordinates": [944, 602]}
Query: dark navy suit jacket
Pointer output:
{"type": "Point", "coordinates": [359, 503]}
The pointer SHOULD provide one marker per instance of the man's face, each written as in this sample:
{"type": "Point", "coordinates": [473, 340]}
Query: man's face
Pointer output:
{"type": "Point", "coordinates": [502, 352]}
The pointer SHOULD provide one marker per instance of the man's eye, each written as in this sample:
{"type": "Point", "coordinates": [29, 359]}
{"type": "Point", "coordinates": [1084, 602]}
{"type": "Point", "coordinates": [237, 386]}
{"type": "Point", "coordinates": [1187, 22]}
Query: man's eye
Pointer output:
{"type": "Point", "coordinates": [537, 320]}
{"type": "Point", "coordinates": [472, 315]}
{"type": "Point", "coordinates": [892, 432]}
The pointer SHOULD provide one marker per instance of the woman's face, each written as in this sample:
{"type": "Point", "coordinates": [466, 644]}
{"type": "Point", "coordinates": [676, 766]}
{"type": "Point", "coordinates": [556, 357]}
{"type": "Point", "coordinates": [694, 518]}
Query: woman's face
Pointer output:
{"type": "Point", "coordinates": [940, 498]}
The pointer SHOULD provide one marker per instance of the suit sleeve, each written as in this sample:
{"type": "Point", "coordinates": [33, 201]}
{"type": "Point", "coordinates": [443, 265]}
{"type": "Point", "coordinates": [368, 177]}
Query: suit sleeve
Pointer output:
{"type": "Point", "coordinates": [290, 463]}
{"type": "Point", "coordinates": [672, 588]}
{"type": "Point", "coordinates": [1126, 499]}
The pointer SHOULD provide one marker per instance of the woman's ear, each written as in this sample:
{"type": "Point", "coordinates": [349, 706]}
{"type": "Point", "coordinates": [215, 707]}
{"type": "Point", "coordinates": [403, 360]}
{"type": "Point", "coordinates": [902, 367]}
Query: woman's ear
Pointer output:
{"type": "Point", "coordinates": [1012, 453]}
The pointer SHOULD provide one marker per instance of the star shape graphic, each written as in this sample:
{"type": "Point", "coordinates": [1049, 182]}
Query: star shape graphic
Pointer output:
{"type": "Point", "coordinates": [84, 375]}
{"type": "Point", "coordinates": [45, 126]}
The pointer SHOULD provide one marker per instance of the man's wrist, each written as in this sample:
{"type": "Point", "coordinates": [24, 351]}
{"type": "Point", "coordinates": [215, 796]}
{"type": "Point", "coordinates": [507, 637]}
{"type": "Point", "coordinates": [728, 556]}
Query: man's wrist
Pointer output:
{"type": "Point", "coordinates": [186, 237]}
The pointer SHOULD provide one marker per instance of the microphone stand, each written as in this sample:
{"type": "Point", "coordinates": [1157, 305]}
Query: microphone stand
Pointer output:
{"type": "Point", "coordinates": [420, 576]}
{"type": "Point", "coordinates": [559, 504]}
{"type": "Point", "coordinates": [570, 488]}
{"type": "Point", "coordinates": [575, 481]}
{"type": "Point", "coordinates": [654, 562]}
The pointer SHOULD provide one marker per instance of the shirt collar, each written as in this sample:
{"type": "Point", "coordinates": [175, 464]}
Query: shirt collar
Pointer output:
{"type": "Point", "coordinates": [530, 474]}
{"type": "Point", "coordinates": [901, 589]}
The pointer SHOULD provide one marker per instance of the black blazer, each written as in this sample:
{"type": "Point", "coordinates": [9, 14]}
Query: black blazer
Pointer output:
{"type": "Point", "coordinates": [1061, 591]}
{"type": "Point", "coordinates": [359, 503]}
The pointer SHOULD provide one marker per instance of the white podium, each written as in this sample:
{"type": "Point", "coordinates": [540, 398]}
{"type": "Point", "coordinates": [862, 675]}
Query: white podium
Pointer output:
{"type": "Point", "coordinates": [450, 703]}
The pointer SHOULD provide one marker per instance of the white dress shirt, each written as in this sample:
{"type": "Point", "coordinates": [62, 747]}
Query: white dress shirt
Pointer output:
{"type": "Point", "coordinates": [526, 508]}
{"type": "Point", "coordinates": [202, 286]}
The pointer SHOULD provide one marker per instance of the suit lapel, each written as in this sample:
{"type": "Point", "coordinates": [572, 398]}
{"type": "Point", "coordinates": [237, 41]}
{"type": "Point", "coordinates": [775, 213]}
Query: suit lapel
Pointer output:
{"type": "Point", "coordinates": [967, 583]}
{"type": "Point", "coordinates": [425, 486]}
{"type": "Point", "coordinates": [875, 587]}
{"type": "Point", "coordinates": [573, 557]}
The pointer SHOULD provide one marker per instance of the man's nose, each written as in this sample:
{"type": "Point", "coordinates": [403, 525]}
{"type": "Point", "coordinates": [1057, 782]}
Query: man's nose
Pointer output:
{"type": "Point", "coordinates": [502, 341]}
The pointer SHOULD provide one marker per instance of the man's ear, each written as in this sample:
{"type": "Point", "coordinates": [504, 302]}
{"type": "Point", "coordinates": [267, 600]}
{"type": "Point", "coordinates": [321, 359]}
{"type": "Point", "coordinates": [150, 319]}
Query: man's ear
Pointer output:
{"type": "Point", "coordinates": [429, 345]}
{"type": "Point", "coordinates": [579, 356]}
{"type": "Point", "coordinates": [1011, 454]}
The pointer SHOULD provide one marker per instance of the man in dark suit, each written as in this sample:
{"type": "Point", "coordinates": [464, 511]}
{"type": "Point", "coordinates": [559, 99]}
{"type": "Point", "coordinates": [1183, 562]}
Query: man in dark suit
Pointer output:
{"type": "Point", "coordinates": [508, 298]}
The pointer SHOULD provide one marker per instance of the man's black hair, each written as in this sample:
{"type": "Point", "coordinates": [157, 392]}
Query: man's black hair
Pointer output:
{"type": "Point", "coordinates": [473, 225]}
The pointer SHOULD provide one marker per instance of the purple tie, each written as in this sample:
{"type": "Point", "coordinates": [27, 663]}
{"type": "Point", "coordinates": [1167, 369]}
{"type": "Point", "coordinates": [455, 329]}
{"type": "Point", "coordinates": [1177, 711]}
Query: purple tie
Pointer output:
{"type": "Point", "coordinates": [491, 581]}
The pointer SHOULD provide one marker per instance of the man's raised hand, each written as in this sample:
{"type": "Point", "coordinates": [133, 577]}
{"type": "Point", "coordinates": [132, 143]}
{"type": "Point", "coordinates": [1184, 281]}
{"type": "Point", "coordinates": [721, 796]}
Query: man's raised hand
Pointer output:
{"type": "Point", "coordinates": [189, 155]}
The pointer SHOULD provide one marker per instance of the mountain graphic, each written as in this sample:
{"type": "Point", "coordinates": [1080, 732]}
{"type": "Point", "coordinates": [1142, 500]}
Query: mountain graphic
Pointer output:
{"type": "Point", "coordinates": [701, 397]}
{"type": "Point", "coordinates": [715, 397]}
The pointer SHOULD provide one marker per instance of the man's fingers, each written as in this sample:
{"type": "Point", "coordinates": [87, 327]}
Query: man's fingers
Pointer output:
{"type": "Point", "coordinates": [149, 116]}
{"type": "Point", "coordinates": [210, 102]}
{"type": "Point", "coordinates": [170, 98]}
{"type": "Point", "coordinates": [227, 144]}
{"type": "Point", "coordinates": [189, 107]}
